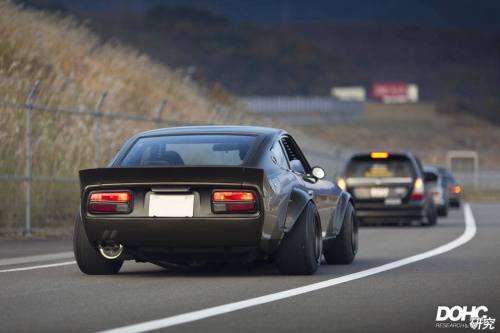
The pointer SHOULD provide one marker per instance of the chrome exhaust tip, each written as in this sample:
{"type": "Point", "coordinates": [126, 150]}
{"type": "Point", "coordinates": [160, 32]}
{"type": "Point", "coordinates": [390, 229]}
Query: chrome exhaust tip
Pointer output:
{"type": "Point", "coordinates": [111, 251]}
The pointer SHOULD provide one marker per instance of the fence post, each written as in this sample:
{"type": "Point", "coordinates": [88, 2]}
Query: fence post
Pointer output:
{"type": "Point", "coordinates": [29, 158]}
{"type": "Point", "coordinates": [97, 120]}
{"type": "Point", "coordinates": [159, 111]}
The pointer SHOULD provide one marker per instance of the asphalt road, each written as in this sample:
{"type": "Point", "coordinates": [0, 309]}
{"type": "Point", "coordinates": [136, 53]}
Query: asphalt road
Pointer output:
{"type": "Point", "coordinates": [59, 298]}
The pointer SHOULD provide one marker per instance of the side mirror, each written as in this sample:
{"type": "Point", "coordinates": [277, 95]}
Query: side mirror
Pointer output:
{"type": "Point", "coordinates": [430, 177]}
{"type": "Point", "coordinates": [318, 172]}
{"type": "Point", "coordinates": [297, 166]}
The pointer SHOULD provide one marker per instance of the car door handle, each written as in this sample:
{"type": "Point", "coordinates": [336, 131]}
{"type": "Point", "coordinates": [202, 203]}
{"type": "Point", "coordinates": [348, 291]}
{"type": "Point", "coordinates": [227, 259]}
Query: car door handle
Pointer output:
{"type": "Point", "coordinates": [310, 192]}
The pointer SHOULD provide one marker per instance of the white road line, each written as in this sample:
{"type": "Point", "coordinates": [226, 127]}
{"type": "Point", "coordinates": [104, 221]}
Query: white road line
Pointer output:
{"type": "Point", "coordinates": [37, 258]}
{"type": "Point", "coordinates": [38, 267]}
{"type": "Point", "coordinates": [470, 231]}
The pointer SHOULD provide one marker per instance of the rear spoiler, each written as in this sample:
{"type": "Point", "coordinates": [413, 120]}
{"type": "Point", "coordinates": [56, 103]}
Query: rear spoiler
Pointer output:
{"type": "Point", "coordinates": [230, 175]}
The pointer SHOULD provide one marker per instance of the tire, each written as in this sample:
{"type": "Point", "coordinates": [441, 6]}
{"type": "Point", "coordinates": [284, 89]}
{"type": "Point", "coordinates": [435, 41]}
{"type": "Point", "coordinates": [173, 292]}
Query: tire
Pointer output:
{"type": "Point", "coordinates": [300, 250]}
{"type": "Point", "coordinates": [431, 217]}
{"type": "Point", "coordinates": [443, 211]}
{"type": "Point", "coordinates": [88, 259]}
{"type": "Point", "coordinates": [345, 246]}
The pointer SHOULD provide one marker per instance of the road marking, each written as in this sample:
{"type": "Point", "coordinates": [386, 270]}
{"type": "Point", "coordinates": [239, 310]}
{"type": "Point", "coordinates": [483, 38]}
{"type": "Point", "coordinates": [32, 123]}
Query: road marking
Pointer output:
{"type": "Point", "coordinates": [37, 258]}
{"type": "Point", "coordinates": [469, 232]}
{"type": "Point", "coordinates": [38, 267]}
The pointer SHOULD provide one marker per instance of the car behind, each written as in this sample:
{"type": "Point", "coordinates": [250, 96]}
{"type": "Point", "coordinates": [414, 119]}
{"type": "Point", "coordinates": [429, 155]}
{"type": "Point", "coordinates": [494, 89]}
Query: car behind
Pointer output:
{"type": "Point", "coordinates": [438, 189]}
{"type": "Point", "coordinates": [453, 187]}
{"type": "Point", "coordinates": [388, 187]}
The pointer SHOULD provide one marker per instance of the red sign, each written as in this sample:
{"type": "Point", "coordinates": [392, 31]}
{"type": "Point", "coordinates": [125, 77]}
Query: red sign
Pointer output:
{"type": "Point", "coordinates": [381, 90]}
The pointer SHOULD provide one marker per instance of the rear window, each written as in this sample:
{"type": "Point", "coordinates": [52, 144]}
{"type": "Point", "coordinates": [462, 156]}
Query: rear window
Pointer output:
{"type": "Point", "coordinates": [447, 177]}
{"type": "Point", "coordinates": [178, 150]}
{"type": "Point", "coordinates": [379, 168]}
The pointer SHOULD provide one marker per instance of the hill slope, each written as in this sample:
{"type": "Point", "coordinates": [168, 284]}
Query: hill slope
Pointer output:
{"type": "Point", "coordinates": [74, 69]}
{"type": "Point", "coordinates": [458, 69]}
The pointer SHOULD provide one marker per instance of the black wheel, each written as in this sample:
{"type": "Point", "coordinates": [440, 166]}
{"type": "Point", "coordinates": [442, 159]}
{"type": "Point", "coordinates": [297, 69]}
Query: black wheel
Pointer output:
{"type": "Point", "coordinates": [430, 217]}
{"type": "Point", "coordinates": [443, 211]}
{"type": "Point", "coordinates": [300, 250]}
{"type": "Point", "coordinates": [345, 245]}
{"type": "Point", "coordinates": [88, 259]}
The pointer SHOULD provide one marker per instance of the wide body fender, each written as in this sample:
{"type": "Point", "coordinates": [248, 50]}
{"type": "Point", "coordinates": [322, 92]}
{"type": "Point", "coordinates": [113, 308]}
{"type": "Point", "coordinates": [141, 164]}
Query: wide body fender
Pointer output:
{"type": "Point", "coordinates": [296, 204]}
{"type": "Point", "coordinates": [338, 218]}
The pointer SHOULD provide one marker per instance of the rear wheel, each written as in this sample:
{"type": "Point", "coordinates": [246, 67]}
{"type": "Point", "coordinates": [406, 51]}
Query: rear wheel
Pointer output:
{"type": "Point", "coordinates": [430, 216]}
{"type": "Point", "coordinates": [300, 250]}
{"type": "Point", "coordinates": [88, 259]}
{"type": "Point", "coordinates": [443, 211]}
{"type": "Point", "coordinates": [345, 245]}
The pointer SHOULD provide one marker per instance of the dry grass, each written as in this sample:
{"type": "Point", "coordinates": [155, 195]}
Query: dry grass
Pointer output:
{"type": "Point", "coordinates": [74, 69]}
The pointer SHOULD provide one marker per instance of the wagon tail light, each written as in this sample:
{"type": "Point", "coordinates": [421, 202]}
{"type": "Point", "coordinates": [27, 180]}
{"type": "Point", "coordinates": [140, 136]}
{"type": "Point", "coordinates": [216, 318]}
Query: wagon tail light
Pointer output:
{"type": "Point", "coordinates": [110, 202]}
{"type": "Point", "coordinates": [234, 202]}
{"type": "Point", "coordinates": [418, 190]}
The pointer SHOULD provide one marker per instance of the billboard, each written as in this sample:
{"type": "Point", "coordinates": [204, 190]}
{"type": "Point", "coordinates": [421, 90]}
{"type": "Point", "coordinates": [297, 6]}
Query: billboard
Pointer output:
{"type": "Point", "coordinates": [394, 92]}
{"type": "Point", "coordinates": [355, 93]}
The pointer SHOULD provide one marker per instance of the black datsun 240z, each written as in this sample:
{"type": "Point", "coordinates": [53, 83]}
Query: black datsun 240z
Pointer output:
{"type": "Point", "coordinates": [214, 193]}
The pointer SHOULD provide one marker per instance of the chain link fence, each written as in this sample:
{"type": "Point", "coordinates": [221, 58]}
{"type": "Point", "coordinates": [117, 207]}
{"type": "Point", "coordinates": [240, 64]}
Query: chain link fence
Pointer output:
{"type": "Point", "coordinates": [48, 133]}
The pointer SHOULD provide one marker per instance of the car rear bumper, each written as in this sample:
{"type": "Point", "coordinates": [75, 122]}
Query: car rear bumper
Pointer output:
{"type": "Point", "coordinates": [390, 213]}
{"type": "Point", "coordinates": [454, 198]}
{"type": "Point", "coordinates": [176, 233]}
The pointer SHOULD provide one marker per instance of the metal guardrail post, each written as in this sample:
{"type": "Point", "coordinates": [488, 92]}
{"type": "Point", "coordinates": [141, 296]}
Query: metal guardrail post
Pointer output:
{"type": "Point", "coordinates": [29, 158]}
{"type": "Point", "coordinates": [97, 120]}
{"type": "Point", "coordinates": [159, 111]}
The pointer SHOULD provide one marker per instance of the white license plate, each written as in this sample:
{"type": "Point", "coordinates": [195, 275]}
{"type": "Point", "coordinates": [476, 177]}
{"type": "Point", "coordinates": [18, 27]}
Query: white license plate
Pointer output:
{"type": "Point", "coordinates": [163, 205]}
{"type": "Point", "coordinates": [393, 201]}
{"type": "Point", "coordinates": [379, 192]}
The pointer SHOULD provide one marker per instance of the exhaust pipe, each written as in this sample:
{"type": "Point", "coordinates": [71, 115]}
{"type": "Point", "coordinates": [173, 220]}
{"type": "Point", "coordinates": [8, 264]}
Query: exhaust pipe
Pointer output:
{"type": "Point", "coordinates": [111, 251]}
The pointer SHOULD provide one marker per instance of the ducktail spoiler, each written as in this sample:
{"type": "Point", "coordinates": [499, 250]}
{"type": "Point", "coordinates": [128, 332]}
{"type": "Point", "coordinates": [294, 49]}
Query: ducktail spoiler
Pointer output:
{"type": "Point", "coordinates": [185, 175]}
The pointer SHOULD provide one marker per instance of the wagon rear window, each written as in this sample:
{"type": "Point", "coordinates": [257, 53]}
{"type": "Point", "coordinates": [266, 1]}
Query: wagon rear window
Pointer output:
{"type": "Point", "coordinates": [178, 150]}
{"type": "Point", "coordinates": [388, 168]}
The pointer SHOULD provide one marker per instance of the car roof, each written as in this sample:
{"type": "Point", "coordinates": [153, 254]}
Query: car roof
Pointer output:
{"type": "Point", "coordinates": [443, 170]}
{"type": "Point", "coordinates": [215, 129]}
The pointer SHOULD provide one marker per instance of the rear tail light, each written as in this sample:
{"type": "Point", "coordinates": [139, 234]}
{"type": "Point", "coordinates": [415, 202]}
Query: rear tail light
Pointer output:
{"type": "Point", "coordinates": [110, 202]}
{"type": "Point", "coordinates": [418, 190]}
{"type": "Point", "coordinates": [234, 202]}
{"type": "Point", "coordinates": [455, 189]}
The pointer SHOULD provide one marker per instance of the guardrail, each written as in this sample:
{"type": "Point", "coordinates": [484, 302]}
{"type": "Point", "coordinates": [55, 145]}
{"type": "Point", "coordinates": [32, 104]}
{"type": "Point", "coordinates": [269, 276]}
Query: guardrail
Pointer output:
{"type": "Point", "coordinates": [303, 110]}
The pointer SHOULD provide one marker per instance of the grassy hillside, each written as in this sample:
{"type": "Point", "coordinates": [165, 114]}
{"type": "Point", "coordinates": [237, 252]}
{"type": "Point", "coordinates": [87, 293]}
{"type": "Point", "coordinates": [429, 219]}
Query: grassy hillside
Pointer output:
{"type": "Point", "coordinates": [458, 69]}
{"type": "Point", "coordinates": [74, 69]}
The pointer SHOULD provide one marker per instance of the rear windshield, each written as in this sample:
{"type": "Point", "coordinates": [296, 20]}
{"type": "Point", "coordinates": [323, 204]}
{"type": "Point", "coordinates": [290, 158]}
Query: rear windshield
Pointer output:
{"type": "Point", "coordinates": [379, 168]}
{"type": "Point", "coordinates": [178, 150]}
{"type": "Point", "coordinates": [447, 177]}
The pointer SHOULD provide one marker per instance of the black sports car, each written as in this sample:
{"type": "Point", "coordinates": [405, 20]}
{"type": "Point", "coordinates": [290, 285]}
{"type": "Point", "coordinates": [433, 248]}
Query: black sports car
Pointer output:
{"type": "Point", "coordinates": [216, 193]}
